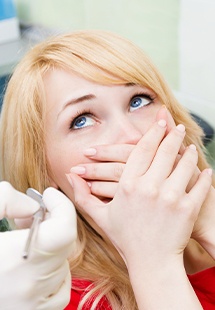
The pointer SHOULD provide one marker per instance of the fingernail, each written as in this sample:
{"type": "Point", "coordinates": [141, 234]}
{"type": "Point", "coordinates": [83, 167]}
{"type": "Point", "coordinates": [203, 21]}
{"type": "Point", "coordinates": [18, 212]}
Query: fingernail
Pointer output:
{"type": "Point", "coordinates": [180, 128]}
{"type": "Point", "coordinates": [209, 171]}
{"type": "Point", "coordinates": [70, 180]}
{"type": "Point", "coordinates": [162, 123]}
{"type": "Point", "coordinates": [90, 151]}
{"type": "Point", "coordinates": [78, 170]}
{"type": "Point", "coordinates": [89, 184]}
{"type": "Point", "coordinates": [192, 147]}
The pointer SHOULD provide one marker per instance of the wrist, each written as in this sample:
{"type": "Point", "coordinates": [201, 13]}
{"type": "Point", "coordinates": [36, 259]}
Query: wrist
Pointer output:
{"type": "Point", "coordinates": [161, 285]}
{"type": "Point", "coordinates": [207, 241]}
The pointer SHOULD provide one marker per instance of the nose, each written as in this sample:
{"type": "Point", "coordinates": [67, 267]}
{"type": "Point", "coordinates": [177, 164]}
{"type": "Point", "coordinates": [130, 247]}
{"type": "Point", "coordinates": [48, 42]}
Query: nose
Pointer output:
{"type": "Point", "coordinates": [124, 131]}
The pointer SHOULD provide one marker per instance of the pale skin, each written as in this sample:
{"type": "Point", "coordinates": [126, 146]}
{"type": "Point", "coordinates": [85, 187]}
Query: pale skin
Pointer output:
{"type": "Point", "coordinates": [150, 189]}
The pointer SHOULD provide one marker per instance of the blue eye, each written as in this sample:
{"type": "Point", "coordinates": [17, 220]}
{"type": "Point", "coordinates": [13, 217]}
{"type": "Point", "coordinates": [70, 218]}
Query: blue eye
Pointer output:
{"type": "Point", "coordinates": [140, 101]}
{"type": "Point", "coordinates": [82, 121]}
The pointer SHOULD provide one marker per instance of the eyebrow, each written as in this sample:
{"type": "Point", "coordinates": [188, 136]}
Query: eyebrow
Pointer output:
{"type": "Point", "coordinates": [84, 98]}
{"type": "Point", "coordinates": [77, 100]}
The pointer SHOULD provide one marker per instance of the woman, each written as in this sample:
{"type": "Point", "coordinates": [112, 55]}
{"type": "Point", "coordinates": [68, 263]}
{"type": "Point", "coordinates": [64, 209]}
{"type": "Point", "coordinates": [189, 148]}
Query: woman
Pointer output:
{"type": "Point", "coordinates": [90, 121]}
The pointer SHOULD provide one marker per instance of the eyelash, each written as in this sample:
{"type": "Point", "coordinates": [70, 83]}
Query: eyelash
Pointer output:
{"type": "Point", "coordinates": [79, 113]}
{"type": "Point", "coordinates": [147, 96]}
{"type": "Point", "coordinates": [88, 112]}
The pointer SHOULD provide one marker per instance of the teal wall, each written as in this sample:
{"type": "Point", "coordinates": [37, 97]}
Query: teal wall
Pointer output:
{"type": "Point", "coordinates": [152, 24]}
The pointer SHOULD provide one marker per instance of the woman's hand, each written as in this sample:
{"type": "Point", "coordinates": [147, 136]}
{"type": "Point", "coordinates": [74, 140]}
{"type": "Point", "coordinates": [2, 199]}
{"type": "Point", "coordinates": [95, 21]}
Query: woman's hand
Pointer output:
{"type": "Point", "coordinates": [151, 216]}
{"type": "Point", "coordinates": [42, 281]}
{"type": "Point", "coordinates": [204, 229]}
{"type": "Point", "coordinates": [150, 191]}
{"type": "Point", "coordinates": [108, 163]}
{"type": "Point", "coordinates": [104, 174]}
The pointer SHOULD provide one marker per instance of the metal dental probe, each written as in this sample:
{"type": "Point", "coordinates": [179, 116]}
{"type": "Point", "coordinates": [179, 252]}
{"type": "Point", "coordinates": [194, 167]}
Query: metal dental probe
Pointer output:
{"type": "Point", "coordinates": [38, 217]}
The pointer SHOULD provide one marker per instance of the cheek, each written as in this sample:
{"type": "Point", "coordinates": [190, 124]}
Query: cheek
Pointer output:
{"type": "Point", "coordinates": [145, 121]}
{"type": "Point", "coordinates": [61, 159]}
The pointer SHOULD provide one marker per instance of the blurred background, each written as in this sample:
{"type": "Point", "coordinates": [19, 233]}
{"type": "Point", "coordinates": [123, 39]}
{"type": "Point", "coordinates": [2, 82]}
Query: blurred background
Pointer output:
{"type": "Point", "coordinates": [177, 34]}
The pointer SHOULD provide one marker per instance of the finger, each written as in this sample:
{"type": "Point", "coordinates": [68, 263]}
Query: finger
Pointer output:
{"type": "Point", "coordinates": [182, 174]}
{"type": "Point", "coordinates": [103, 189]}
{"type": "Point", "coordinates": [200, 190]}
{"type": "Point", "coordinates": [165, 114]}
{"type": "Point", "coordinates": [60, 229]}
{"type": "Point", "coordinates": [85, 201]}
{"type": "Point", "coordinates": [54, 274]}
{"type": "Point", "coordinates": [142, 155]}
{"type": "Point", "coordinates": [194, 178]}
{"type": "Point", "coordinates": [99, 171]}
{"type": "Point", "coordinates": [23, 223]}
{"type": "Point", "coordinates": [170, 125]}
{"type": "Point", "coordinates": [121, 152]}
{"type": "Point", "coordinates": [58, 299]}
{"type": "Point", "coordinates": [166, 155]}
{"type": "Point", "coordinates": [114, 152]}
{"type": "Point", "coordinates": [14, 203]}
{"type": "Point", "coordinates": [27, 222]}
{"type": "Point", "coordinates": [13, 242]}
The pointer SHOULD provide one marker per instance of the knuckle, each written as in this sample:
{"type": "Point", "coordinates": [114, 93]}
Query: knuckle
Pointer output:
{"type": "Point", "coordinates": [118, 170]}
{"type": "Point", "coordinates": [127, 151]}
{"type": "Point", "coordinates": [190, 207]}
{"type": "Point", "coordinates": [80, 202]}
{"type": "Point", "coordinates": [190, 203]}
{"type": "Point", "coordinates": [128, 187]}
{"type": "Point", "coordinates": [170, 198]}
{"type": "Point", "coordinates": [96, 188]}
{"type": "Point", "coordinates": [93, 169]}
{"type": "Point", "coordinates": [188, 165]}
{"type": "Point", "coordinates": [150, 191]}
{"type": "Point", "coordinates": [6, 192]}
{"type": "Point", "coordinates": [191, 158]}
{"type": "Point", "coordinates": [5, 187]}
{"type": "Point", "coordinates": [167, 149]}
{"type": "Point", "coordinates": [147, 146]}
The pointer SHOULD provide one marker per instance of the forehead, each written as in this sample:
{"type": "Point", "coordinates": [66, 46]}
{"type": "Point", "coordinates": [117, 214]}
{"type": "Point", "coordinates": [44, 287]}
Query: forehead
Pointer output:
{"type": "Point", "coordinates": [58, 82]}
{"type": "Point", "coordinates": [65, 88]}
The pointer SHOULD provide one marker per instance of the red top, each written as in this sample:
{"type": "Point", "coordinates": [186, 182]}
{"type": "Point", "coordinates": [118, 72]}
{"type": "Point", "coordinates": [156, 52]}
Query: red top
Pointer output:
{"type": "Point", "coordinates": [204, 285]}
{"type": "Point", "coordinates": [202, 282]}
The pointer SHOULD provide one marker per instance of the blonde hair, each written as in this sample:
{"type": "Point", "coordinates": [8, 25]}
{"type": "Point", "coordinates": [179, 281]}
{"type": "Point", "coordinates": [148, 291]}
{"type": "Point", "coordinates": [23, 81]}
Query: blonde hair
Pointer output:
{"type": "Point", "coordinates": [104, 58]}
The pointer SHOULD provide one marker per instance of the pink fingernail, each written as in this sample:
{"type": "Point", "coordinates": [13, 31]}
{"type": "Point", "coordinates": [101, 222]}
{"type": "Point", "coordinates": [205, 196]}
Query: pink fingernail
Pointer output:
{"type": "Point", "coordinates": [89, 184]}
{"type": "Point", "coordinates": [209, 171]}
{"type": "Point", "coordinates": [192, 147]}
{"type": "Point", "coordinates": [70, 180]}
{"type": "Point", "coordinates": [78, 170]}
{"type": "Point", "coordinates": [162, 123]}
{"type": "Point", "coordinates": [90, 151]}
{"type": "Point", "coordinates": [180, 128]}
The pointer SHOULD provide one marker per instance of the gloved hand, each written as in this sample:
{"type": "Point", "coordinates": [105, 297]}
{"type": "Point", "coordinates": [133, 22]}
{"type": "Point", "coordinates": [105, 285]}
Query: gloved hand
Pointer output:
{"type": "Point", "coordinates": [43, 281]}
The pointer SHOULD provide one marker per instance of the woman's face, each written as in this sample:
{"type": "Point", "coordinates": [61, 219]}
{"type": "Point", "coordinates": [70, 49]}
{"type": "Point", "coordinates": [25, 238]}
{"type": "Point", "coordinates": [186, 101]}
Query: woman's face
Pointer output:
{"type": "Point", "coordinates": [83, 114]}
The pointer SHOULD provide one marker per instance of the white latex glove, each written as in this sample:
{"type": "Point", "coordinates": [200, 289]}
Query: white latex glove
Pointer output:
{"type": "Point", "coordinates": [43, 281]}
